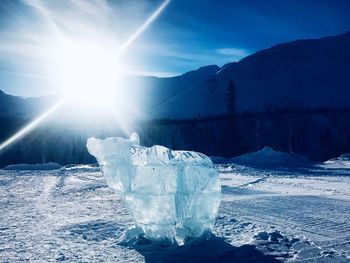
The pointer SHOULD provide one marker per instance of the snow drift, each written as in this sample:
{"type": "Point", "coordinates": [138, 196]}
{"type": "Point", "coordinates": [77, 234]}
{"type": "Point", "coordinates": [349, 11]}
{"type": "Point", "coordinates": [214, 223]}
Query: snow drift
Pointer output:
{"type": "Point", "coordinates": [38, 166]}
{"type": "Point", "coordinates": [340, 162]}
{"type": "Point", "coordinates": [267, 157]}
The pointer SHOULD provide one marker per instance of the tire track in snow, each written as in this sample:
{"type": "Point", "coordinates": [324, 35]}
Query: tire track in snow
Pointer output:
{"type": "Point", "coordinates": [304, 216]}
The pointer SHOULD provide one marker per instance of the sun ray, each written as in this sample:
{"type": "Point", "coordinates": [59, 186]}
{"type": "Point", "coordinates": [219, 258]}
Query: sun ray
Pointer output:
{"type": "Point", "coordinates": [143, 27]}
{"type": "Point", "coordinates": [41, 9]}
{"type": "Point", "coordinates": [32, 125]}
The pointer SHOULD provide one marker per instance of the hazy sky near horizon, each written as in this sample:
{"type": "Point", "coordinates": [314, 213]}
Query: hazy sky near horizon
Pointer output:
{"type": "Point", "coordinates": [186, 35]}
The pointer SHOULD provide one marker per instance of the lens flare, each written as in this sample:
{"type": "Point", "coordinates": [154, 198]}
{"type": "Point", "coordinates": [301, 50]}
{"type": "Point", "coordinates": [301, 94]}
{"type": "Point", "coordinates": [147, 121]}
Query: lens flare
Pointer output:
{"type": "Point", "coordinates": [88, 68]}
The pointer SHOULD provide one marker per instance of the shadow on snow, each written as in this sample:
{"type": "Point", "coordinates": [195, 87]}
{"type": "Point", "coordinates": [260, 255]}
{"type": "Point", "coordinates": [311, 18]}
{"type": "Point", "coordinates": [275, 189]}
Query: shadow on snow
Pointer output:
{"type": "Point", "coordinates": [207, 249]}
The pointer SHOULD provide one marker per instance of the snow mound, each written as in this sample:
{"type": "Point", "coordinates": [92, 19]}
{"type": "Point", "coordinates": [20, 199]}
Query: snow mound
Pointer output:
{"type": "Point", "coordinates": [81, 167]}
{"type": "Point", "coordinates": [38, 166]}
{"type": "Point", "coordinates": [267, 157]}
{"type": "Point", "coordinates": [171, 194]}
{"type": "Point", "coordinates": [340, 162]}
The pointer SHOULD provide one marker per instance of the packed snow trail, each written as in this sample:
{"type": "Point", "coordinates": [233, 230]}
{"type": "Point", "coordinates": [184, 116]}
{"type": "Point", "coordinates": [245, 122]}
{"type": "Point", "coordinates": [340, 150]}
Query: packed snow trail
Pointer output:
{"type": "Point", "coordinates": [72, 215]}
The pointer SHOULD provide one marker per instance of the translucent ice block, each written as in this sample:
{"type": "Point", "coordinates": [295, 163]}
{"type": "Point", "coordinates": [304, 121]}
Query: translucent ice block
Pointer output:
{"type": "Point", "coordinates": [169, 193]}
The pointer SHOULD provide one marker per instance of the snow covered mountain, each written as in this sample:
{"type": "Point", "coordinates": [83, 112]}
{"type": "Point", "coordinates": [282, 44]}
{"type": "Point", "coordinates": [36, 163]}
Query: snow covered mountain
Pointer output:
{"type": "Point", "coordinates": [301, 74]}
{"type": "Point", "coordinates": [149, 93]}
{"type": "Point", "coordinates": [21, 107]}
{"type": "Point", "coordinates": [10, 105]}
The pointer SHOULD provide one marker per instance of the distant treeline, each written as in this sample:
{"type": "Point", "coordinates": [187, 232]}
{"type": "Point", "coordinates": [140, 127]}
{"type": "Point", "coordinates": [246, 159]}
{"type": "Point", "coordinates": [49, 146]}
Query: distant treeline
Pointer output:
{"type": "Point", "coordinates": [338, 110]}
{"type": "Point", "coordinates": [318, 134]}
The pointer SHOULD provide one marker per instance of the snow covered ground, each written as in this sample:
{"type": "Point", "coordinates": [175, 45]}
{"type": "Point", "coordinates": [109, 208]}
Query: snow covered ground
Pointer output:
{"type": "Point", "coordinates": [266, 215]}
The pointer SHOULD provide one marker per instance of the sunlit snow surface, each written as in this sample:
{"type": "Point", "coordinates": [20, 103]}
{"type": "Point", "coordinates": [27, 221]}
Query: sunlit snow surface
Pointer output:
{"type": "Point", "coordinates": [72, 215]}
{"type": "Point", "coordinates": [171, 194]}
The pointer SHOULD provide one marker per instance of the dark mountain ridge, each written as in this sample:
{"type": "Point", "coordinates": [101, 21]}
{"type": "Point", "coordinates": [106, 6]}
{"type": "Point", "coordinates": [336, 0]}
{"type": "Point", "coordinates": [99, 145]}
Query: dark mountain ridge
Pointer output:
{"type": "Point", "coordinates": [309, 73]}
{"type": "Point", "coordinates": [301, 74]}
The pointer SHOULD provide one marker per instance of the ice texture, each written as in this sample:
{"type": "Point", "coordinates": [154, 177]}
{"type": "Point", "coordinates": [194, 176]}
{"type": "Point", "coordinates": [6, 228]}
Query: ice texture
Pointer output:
{"type": "Point", "coordinates": [170, 194]}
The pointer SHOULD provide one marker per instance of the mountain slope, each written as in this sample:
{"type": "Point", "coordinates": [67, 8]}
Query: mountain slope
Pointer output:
{"type": "Point", "coordinates": [9, 105]}
{"type": "Point", "coordinates": [300, 74]}
{"type": "Point", "coordinates": [14, 106]}
{"type": "Point", "coordinates": [147, 93]}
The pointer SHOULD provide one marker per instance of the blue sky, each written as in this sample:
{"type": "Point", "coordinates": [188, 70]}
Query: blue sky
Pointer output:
{"type": "Point", "coordinates": [187, 34]}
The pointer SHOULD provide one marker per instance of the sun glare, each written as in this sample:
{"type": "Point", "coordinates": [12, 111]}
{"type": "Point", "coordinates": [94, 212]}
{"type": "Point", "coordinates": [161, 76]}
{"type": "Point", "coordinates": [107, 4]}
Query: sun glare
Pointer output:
{"type": "Point", "coordinates": [88, 73]}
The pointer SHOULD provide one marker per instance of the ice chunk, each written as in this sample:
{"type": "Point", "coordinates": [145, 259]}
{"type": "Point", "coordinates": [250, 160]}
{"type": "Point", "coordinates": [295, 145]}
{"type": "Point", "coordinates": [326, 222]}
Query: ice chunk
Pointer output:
{"type": "Point", "coordinates": [169, 193]}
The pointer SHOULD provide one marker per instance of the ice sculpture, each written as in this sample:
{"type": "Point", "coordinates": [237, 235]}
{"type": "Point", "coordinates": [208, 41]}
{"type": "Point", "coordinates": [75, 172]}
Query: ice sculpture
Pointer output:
{"type": "Point", "coordinates": [170, 194]}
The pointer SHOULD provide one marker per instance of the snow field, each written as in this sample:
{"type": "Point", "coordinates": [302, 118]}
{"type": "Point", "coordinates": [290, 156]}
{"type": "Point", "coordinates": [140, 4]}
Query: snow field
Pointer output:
{"type": "Point", "coordinates": [266, 215]}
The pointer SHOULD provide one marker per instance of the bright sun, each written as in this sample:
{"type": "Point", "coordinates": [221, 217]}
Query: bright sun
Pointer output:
{"type": "Point", "coordinates": [89, 73]}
